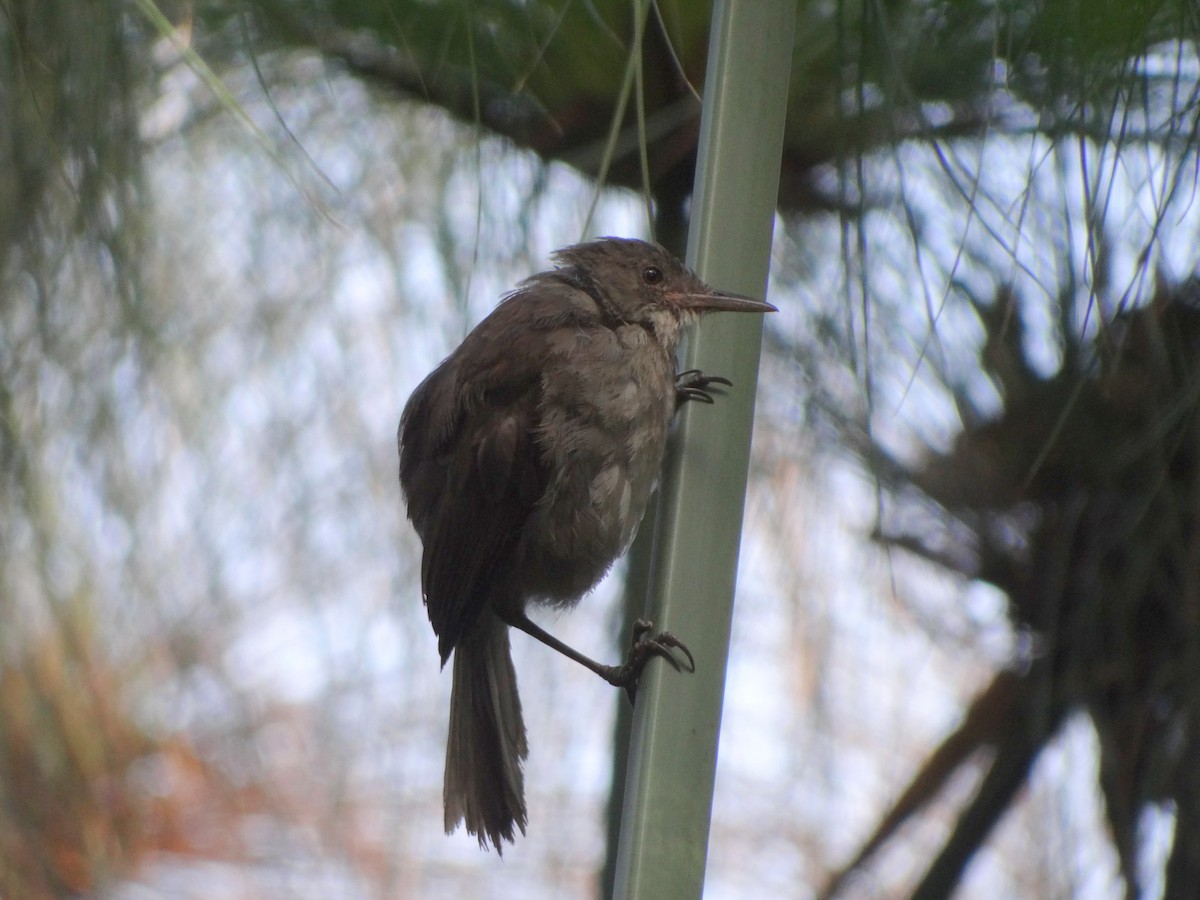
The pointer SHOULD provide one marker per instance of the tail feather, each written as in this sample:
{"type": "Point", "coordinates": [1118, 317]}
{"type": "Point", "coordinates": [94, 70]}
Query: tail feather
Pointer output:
{"type": "Point", "coordinates": [484, 784]}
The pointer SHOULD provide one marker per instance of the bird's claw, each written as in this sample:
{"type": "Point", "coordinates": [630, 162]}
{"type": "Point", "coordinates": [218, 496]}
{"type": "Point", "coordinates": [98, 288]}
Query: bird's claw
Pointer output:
{"type": "Point", "coordinates": [693, 385]}
{"type": "Point", "coordinates": [641, 650]}
{"type": "Point", "coordinates": [661, 645]}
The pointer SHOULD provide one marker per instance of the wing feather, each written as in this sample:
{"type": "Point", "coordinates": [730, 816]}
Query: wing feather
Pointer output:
{"type": "Point", "coordinates": [472, 471]}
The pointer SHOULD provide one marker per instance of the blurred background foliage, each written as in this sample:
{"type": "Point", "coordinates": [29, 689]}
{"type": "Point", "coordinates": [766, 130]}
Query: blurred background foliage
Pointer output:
{"type": "Point", "coordinates": [233, 236]}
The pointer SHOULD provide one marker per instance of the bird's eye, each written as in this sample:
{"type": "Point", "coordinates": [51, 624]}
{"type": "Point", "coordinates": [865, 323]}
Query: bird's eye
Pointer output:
{"type": "Point", "coordinates": [652, 275]}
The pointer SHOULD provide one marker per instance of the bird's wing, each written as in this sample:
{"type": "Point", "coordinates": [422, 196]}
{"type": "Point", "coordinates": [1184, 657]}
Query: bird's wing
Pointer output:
{"type": "Point", "coordinates": [471, 473]}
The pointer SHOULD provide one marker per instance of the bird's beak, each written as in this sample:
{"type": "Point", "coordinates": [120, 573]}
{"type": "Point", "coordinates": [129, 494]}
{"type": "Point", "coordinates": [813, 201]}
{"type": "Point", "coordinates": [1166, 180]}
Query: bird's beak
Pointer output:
{"type": "Point", "coordinates": [720, 300]}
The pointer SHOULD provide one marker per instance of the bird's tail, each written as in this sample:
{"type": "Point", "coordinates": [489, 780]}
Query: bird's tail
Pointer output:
{"type": "Point", "coordinates": [484, 783]}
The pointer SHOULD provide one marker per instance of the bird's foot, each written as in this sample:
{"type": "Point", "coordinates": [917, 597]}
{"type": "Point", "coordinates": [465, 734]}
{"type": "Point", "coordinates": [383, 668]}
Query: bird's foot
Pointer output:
{"type": "Point", "coordinates": [693, 385]}
{"type": "Point", "coordinates": [641, 650]}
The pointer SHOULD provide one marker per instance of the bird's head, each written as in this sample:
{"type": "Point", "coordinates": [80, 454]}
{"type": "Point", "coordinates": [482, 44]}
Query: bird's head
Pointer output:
{"type": "Point", "coordinates": [642, 284]}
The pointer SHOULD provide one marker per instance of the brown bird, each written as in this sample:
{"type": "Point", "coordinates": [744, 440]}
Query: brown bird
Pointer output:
{"type": "Point", "coordinates": [526, 460]}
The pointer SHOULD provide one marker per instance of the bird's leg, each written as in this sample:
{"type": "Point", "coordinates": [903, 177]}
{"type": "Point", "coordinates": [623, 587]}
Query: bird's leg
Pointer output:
{"type": "Point", "coordinates": [693, 385]}
{"type": "Point", "coordinates": [627, 674]}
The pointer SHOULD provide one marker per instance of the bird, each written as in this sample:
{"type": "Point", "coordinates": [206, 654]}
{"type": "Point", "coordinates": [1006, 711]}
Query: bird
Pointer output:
{"type": "Point", "coordinates": [527, 458]}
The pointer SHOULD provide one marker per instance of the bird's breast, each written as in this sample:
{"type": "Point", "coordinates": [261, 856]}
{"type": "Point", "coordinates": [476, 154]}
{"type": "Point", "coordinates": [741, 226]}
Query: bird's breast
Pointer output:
{"type": "Point", "coordinates": [605, 415]}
